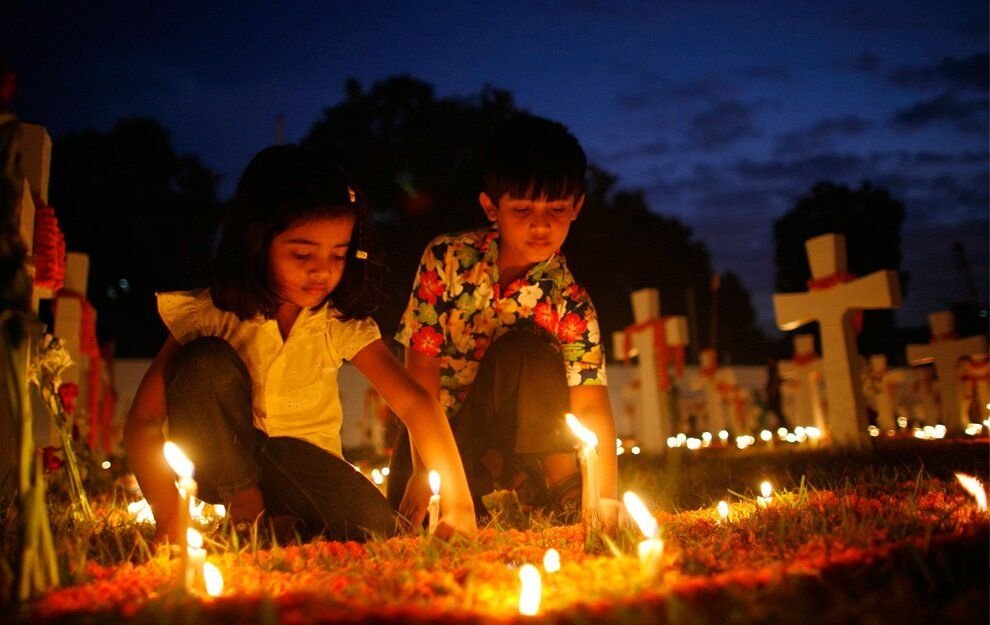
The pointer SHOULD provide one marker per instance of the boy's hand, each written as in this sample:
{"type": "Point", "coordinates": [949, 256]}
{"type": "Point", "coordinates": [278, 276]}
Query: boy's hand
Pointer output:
{"type": "Point", "coordinates": [416, 500]}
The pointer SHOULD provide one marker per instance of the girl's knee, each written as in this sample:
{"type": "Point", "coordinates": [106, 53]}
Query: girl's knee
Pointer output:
{"type": "Point", "coordinates": [207, 358]}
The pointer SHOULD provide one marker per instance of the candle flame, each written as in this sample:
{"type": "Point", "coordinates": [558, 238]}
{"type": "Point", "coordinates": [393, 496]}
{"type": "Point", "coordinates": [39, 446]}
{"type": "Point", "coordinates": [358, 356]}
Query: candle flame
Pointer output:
{"type": "Point", "coordinates": [213, 579]}
{"type": "Point", "coordinates": [975, 488]}
{"type": "Point", "coordinates": [435, 482]}
{"type": "Point", "coordinates": [723, 509]}
{"type": "Point", "coordinates": [587, 437]}
{"type": "Point", "coordinates": [220, 510]}
{"type": "Point", "coordinates": [637, 510]}
{"type": "Point", "coordinates": [529, 593]}
{"type": "Point", "coordinates": [551, 561]}
{"type": "Point", "coordinates": [182, 466]}
{"type": "Point", "coordinates": [766, 489]}
{"type": "Point", "coordinates": [194, 538]}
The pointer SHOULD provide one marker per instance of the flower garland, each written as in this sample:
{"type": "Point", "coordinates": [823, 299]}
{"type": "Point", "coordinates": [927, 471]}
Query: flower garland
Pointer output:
{"type": "Point", "coordinates": [49, 248]}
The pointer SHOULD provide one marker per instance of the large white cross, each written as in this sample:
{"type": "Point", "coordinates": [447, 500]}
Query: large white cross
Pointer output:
{"type": "Point", "coordinates": [655, 415]}
{"type": "Point", "coordinates": [806, 372]}
{"type": "Point", "coordinates": [945, 351]}
{"type": "Point", "coordinates": [833, 308]}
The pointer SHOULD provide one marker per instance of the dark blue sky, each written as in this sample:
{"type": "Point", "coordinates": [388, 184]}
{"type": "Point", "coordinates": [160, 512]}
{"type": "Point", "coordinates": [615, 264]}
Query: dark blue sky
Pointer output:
{"type": "Point", "coordinates": [724, 112]}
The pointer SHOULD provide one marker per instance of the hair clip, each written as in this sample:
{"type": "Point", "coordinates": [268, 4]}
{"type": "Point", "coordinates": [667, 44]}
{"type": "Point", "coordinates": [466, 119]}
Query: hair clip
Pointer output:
{"type": "Point", "coordinates": [361, 254]}
{"type": "Point", "coordinates": [351, 194]}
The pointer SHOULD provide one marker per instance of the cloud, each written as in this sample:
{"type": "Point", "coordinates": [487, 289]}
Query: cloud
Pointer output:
{"type": "Point", "coordinates": [970, 74]}
{"type": "Point", "coordinates": [822, 134]}
{"type": "Point", "coordinates": [777, 73]}
{"type": "Point", "coordinates": [722, 125]}
{"type": "Point", "coordinates": [865, 63]}
{"type": "Point", "coordinates": [967, 114]}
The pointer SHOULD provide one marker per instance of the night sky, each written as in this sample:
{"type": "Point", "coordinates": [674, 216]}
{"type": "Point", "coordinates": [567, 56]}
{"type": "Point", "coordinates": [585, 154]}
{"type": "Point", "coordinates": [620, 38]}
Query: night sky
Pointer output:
{"type": "Point", "coordinates": [724, 112]}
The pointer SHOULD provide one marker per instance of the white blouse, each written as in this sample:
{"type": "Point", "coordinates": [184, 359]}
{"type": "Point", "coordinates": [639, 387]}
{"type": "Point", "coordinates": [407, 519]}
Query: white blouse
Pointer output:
{"type": "Point", "coordinates": [293, 382]}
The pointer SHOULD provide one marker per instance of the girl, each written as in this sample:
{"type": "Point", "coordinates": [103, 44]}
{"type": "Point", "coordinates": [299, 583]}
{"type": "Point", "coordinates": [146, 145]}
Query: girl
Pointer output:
{"type": "Point", "coordinates": [248, 374]}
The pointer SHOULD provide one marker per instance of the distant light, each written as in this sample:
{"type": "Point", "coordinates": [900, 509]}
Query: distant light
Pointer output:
{"type": "Point", "coordinates": [376, 476]}
{"type": "Point", "coordinates": [706, 436]}
{"type": "Point", "coordinates": [902, 422]}
{"type": "Point", "coordinates": [386, 471]}
{"type": "Point", "coordinates": [551, 561]}
{"type": "Point", "coordinates": [693, 443]}
{"type": "Point", "coordinates": [723, 435]}
{"type": "Point", "coordinates": [635, 450]}
{"type": "Point", "coordinates": [873, 430]}
{"type": "Point", "coordinates": [124, 285]}
{"type": "Point", "coordinates": [766, 489]}
{"type": "Point", "coordinates": [723, 509]}
{"type": "Point", "coordinates": [791, 437]}
{"type": "Point", "coordinates": [799, 431]}
{"type": "Point", "coordinates": [813, 433]}
{"type": "Point", "coordinates": [782, 432]}
{"type": "Point", "coordinates": [671, 442]}
{"type": "Point", "coordinates": [105, 464]}
{"type": "Point", "coordinates": [766, 435]}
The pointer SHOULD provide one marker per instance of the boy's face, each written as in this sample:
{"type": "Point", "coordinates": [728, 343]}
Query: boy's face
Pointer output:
{"type": "Point", "coordinates": [530, 230]}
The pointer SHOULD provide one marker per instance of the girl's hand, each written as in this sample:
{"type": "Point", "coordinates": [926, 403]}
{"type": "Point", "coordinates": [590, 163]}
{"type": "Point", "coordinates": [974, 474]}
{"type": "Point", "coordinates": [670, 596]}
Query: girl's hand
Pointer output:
{"type": "Point", "coordinates": [458, 521]}
{"type": "Point", "coordinates": [416, 500]}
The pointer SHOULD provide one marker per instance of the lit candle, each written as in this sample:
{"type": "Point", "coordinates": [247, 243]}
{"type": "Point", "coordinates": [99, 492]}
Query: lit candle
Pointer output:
{"type": "Point", "coordinates": [723, 510]}
{"type": "Point", "coordinates": [975, 488]}
{"type": "Point", "coordinates": [186, 486]}
{"type": "Point", "coordinates": [551, 561]}
{"type": "Point", "coordinates": [651, 549]}
{"type": "Point", "coordinates": [213, 580]}
{"type": "Point", "coordinates": [766, 492]}
{"type": "Point", "coordinates": [194, 577]}
{"type": "Point", "coordinates": [590, 506]}
{"type": "Point", "coordinates": [530, 591]}
{"type": "Point", "coordinates": [434, 506]}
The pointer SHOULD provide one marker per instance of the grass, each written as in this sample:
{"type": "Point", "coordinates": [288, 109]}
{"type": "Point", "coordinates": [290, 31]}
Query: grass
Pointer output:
{"type": "Point", "coordinates": [880, 535]}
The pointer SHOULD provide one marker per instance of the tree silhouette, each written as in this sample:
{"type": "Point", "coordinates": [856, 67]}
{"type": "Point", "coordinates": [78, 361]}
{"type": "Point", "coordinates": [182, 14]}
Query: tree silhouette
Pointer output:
{"type": "Point", "coordinates": [870, 219]}
{"type": "Point", "coordinates": [417, 157]}
{"type": "Point", "coordinates": [145, 215]}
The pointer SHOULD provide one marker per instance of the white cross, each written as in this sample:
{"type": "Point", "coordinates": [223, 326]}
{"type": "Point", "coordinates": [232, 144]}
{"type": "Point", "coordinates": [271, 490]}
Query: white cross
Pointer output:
{"type": "Point", "coordinates": [655, 415]}
{"type": "Point", "coordinates": [945, 351]}
{"type": "Point", "coordinates": [881, 387]}
{"type": "Point", "coordinates": [712, 380]}
{"type": "Point", "coordinates": [833, 308]}
{"type": "Point", "coordinates": [806, 372]}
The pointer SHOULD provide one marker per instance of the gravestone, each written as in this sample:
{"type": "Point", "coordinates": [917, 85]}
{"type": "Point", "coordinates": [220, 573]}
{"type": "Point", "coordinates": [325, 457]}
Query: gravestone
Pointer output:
{"type": "Point", "coordinates": [659, 342]}
{"type": "Point", "coordinates": [882, 388]}
{"type": "Point", "coordinates": [75, 324]}
{"type": "Point", "coordinates": [716, 383]}
{"type": "Point", "coordinates": [924, 407]}
{"type": "Point", "coordinates": [804, 371]}
{"type": "Point", "coordinates": [945, 350]}
{"type": "Point", "coordinates": [835, 296]}
{"type": "Point", "coordinates": [975, 373]}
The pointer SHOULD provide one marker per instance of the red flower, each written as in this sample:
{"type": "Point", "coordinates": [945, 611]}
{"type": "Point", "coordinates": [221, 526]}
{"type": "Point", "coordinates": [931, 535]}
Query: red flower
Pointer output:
{"type": "Point", "coordinates": [546, 316]}
{"type": "Point", "coordinates": [68, 393]}
{"type": "Point", "coordinates": [480, 347]}
{"type": "Point", "coordinates": [50, 460]}
{"type": "Point", "coordinates": [430, 287]}
{"type": "Point", "coordinates": [571, 328]}
{"type": "Point", "coordinates": [427, 341]}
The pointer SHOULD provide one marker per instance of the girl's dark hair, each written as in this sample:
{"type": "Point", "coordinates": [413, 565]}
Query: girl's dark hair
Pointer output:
{"type": "Point", "coordinates": [529, 157]}
{"type": "Point", "coordinates": [281, 186]}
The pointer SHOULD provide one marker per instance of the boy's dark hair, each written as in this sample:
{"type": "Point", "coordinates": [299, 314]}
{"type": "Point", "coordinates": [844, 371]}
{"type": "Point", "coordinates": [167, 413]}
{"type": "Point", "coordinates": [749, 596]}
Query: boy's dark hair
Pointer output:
{"type": "Point", "coordinates": [281, 186]}
{"type": "Point", "coordinates": [531, 157]}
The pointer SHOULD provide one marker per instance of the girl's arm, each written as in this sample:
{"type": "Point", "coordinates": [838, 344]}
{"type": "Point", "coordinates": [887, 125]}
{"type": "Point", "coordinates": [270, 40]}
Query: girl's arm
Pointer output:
{"type": "Point", "coordinates": [143, 441]}
{"type": "Point", "coordinates": [425, 371]}
{"type": "Point", "coordinates": [428, 427]}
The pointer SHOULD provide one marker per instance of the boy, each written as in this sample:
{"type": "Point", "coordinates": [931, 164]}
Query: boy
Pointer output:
{"type": "Point", "coordinates": [498, 330]}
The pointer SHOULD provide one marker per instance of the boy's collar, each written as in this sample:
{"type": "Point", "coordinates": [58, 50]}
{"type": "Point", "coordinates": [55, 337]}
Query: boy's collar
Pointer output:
{"type": "Point", "coordinates": [489, 247]}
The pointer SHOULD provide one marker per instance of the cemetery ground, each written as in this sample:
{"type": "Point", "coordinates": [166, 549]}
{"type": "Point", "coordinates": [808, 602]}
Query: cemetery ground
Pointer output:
{"type": "Point", "coordinates": [883, 535]}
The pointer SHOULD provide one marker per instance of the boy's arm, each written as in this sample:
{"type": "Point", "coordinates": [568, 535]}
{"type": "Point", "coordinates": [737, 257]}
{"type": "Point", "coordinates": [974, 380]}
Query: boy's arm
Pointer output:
{"type": "Point", "coordinates": [591, 406]}
{"type": "Point", "coordinates": [143, 441]}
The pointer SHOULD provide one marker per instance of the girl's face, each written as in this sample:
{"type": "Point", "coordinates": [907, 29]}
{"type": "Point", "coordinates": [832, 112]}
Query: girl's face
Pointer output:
{"type": "Point", "coordinates": [307, 261]}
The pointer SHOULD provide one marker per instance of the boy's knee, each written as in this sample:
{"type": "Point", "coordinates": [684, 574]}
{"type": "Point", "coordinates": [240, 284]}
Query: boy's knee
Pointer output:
{"type": "Point", "coordinates": [525, 342]}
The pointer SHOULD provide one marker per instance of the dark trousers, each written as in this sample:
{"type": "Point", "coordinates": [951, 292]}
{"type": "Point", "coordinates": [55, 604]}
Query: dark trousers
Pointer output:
{"type": "Point", "coordinates": [515, 407]}
{"type": "Point", "coordinates": [208, 396]}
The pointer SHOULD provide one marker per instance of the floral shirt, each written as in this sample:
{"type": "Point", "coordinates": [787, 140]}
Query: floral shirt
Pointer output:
{"type": "Point", "coordinates": [457, 309]}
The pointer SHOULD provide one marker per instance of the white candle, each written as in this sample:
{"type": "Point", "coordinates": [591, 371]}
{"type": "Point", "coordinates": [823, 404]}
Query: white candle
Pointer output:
{"type": "Point", "coordinates": [187, 488]}
{"type": "Point", "coordinates": [530, 591]}
{"type": "Point", "coordinates": [590, 492]}
{"type": "Point", "coordinates": [195, 562]}
{"type": "Point", "coordinates": [650, 550]}
{"type": "Point", "coordinates": [434, 506]}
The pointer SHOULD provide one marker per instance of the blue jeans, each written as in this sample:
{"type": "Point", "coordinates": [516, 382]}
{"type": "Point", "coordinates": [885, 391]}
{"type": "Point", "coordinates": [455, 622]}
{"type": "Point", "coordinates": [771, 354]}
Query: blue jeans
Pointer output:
{"type": "Point", "coordinates": [208, 397]}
